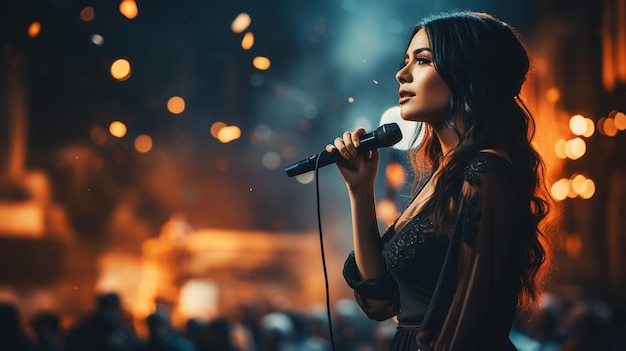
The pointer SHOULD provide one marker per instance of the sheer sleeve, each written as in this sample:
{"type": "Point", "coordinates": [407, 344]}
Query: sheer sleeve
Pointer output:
{"type": "Point", "coordinates": [476, 295]}
{"type": "Point", "coordinates": [378, 288]}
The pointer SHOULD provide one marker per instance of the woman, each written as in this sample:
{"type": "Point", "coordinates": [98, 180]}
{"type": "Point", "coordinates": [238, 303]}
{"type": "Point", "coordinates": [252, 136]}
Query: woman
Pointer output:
{"type": "Point", "coordinates": [467, 252]}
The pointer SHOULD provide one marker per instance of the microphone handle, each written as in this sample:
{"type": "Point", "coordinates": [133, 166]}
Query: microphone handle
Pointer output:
{"type": "Point", "coordinates": [368, 142]}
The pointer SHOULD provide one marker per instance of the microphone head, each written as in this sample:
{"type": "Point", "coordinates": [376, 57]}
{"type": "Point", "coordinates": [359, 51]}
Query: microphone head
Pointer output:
{"type": "Point", "coordinates": [388, 134]}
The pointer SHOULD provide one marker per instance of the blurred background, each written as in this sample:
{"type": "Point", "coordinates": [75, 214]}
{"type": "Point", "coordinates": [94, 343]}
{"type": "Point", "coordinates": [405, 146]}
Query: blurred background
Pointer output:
{"type": "Point", "coordinates": [143, 147]}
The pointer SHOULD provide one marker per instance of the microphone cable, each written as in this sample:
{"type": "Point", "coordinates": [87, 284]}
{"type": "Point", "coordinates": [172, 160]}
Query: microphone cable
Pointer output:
{"type": "Point", "coordinates": [319, 227]}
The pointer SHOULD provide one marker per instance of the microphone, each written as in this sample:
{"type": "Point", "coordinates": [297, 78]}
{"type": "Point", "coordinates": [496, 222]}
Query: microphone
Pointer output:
{"type": "Point", "coordinates": [385, 135]}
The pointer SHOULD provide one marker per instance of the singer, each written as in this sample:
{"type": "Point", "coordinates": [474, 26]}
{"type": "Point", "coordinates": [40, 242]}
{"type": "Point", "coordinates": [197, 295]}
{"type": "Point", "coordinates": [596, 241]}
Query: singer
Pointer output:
{"type": "Point", "coordinates": [470, 249]}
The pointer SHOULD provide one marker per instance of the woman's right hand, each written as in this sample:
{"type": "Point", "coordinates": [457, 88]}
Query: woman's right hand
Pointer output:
{"type": "Point", "coordinates": [358, 169]}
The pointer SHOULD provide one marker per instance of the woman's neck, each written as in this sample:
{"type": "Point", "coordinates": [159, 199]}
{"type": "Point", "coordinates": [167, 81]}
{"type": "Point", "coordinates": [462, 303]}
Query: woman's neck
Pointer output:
{"type": "Point", "coordinates": [448, 139]}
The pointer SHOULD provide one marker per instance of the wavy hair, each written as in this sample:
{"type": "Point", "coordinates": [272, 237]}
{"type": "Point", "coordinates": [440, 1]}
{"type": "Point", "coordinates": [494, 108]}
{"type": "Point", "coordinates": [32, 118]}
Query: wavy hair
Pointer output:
{"type": "Point", "coordinates": [484, 63]}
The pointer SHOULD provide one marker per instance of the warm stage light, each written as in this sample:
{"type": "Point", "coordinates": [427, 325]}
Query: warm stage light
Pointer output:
{"type": "Point", "coordinates": [560, 189]}
{"type": "Point", "coordinates": [241, 23]}
{"type": "Point", "coordinates": [396, 175]}
{"type": "Point", "coordinates": [591, 128]}
{"type": "Point", "coordinates": [559, 149]}
{"type": "Point", "coordinates": [117, 129]}
{"type": "Point", "coordinates": [143, 143]}
{"type": "Point", "coordinates": [176, 105]}
{"type": "Point", "coordinates": [620, 121]}
{"type": "Point", "coordinates": [575, 148]}
{"type": "Point", "coordinates": [120, 69]}
{"type": "Point", "coordinates": [386, 211]}
{"type": "Point", "coordinates": [216, 127]}
{"type": "Point", "coordinates": [87, 14]}
{"type": "Point", "coordinates": [34, 29]}
{"type": "Point", "coordinates": [261, 63]}
{"type": "Point", "coordinates": [587, 189]}
{"type": "Point", "coordinates": [248, 41]}
{"type": "Point", "coordinates": [609, 127]}
{"type": "Point", "coordinates": [129, 9]}
{"type": "Point", "coordinates": [228, 134]}
{"type": "Point", "coordinates": [578, 125]}
{"type": "Point", "coordinates": [553, 95]}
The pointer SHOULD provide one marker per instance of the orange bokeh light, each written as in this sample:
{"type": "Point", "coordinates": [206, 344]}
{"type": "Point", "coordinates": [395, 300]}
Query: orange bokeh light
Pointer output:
{"type": "Point", "coordinates": [129, 9]}
{"type": "Point", "coordinates": [143, 143]}
{"type": "Point", "coordinates": [34, 29]}
{"type": "Point", "coordinates": [117, 129]}
{"type": "Point", "coordinates": [261, 63]}
{"type": "Point", "coordinates": [176, 105]}
{"type": "Point", "coordinates": [87, 14]}
{"type": "Point", "coordinates": [248, 41]}
{"type": "Point", "coordinates": [120, 69]}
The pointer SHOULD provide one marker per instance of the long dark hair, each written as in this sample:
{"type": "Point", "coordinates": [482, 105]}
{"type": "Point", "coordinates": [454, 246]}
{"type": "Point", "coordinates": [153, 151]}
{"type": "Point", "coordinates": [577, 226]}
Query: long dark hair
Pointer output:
{"type": "Point", "coordinates": [484, 62]}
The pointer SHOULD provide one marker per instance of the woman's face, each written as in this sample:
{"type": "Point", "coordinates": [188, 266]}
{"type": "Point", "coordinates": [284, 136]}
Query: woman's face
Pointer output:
{"type": "Point", "coordinates": [424, 96]}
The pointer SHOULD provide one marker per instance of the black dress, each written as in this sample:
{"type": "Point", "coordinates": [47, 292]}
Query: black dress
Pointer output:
{"type": "Point", "coordinates": [455, 290]}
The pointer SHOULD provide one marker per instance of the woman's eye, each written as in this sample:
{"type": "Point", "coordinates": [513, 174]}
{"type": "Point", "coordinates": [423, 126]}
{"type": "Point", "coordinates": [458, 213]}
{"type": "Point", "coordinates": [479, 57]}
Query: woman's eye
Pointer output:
{"type": "Point", "coordinates": [422, 60]}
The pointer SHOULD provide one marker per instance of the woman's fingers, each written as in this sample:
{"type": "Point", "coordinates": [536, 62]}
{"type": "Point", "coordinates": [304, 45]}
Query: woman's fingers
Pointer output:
{"type": "Point", "coordinates": [347, 144]}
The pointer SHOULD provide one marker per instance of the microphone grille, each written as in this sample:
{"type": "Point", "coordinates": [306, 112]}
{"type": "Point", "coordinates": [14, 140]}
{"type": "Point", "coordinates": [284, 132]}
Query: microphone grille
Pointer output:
{"type": "Point", "coordinates": [388, 134]}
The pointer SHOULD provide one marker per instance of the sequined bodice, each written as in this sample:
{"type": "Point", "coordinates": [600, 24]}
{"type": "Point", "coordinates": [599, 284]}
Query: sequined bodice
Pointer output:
{"type": "Point", "coordinates": [415, 254]}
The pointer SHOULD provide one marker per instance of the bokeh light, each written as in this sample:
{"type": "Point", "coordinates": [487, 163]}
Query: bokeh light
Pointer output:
{"type": "Point", "coordinates": [87, 14]}
{"type": "Point", "coordinates": [129, 9]}
{"type": "Point", "coordinates": [97, 39]}
{"type": "Point", "coordinates": [587, 189]}
{"type": "Point", "coordinates": [143, 143]}
{"type": "Point", "coordinates": [228, 134]}
{"type": "Point", "coordinates": [560, 189]}
{"type": "Point", "coordinates": [553, 95]}
{"type": "Point", "coordinates": [176, 105]}
{"type": "Point", "coordinates": [575, 148]}
{"type": "Point", "coordinates": [34, 29]}
{"type": "Point", "coordinates": [248, 41]}
{"type": "Point", "coordinates": [98, 135]}
{"type": "Point", "coordinates": [120, 69]}
{"type": "Point", "coordinates": [396, 175]}
{"type": "Point", "coordinates": [216, 127]}
{"type": "Point", "coordinates": [117, 129]}
{"type": "Point", "coordinates": [387, 211]}
{"type": "Point", "coordinates": [578, 125]}
{"type": "Point", "coordinates": [591, 128]}
{"type": "Point", "coordinates": [559, 148]}
{"type": "Point", "coordinates": [241, 23]}
{"type": "Point", "coordinates": [271, 160]}
{"type": "Point", "coordinates": [261, 63]}
{"type": "Point", "coordinates": [620, 121]}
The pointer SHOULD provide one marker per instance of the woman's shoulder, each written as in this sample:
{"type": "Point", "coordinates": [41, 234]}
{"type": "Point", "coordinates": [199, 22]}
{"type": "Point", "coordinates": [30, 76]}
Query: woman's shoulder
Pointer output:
{"type": "Point", "coordinates": [488, 161]}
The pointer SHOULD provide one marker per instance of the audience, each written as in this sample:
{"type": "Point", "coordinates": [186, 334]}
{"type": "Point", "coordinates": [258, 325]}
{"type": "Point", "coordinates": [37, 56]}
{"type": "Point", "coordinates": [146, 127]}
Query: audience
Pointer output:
{"type": "Point", "coordinates": [553, 325]}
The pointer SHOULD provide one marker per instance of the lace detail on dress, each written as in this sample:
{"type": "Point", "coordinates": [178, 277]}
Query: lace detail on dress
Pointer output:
{"type": "Point", "coordinates": [414, 241]}
{"type": "Point", "coordinates": [486, 162]}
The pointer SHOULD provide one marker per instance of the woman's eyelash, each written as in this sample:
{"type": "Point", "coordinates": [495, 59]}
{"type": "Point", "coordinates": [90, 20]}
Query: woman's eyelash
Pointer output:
{"type": "Point", "coordinates": [420, 59]}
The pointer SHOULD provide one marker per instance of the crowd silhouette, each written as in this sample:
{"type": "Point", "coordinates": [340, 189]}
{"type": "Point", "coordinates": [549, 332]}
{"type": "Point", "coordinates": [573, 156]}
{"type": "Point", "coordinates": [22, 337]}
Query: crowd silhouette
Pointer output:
{"type": "Point", "coordinates": [553, 326]}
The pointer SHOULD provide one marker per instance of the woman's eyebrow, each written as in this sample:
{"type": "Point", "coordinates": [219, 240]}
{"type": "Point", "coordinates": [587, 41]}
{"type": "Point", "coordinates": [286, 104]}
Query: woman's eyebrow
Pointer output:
{"type": "Point", "coordinates": [418, 51]}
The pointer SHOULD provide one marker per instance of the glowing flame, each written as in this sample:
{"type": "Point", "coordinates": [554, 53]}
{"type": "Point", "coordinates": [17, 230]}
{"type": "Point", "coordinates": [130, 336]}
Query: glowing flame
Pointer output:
{"type": "Point", "coordinates": [241, 23]}
{"type": "Point", "coordinates": [120, 69]}
{"type": "Point", "coordinates": [34, 29]}
{"type": "Point", "coordinates": [117, 129]}
{"type": "Point", "coordinates": [129, 9]}
{"type": "Point", "coordinates": [176, 105]}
